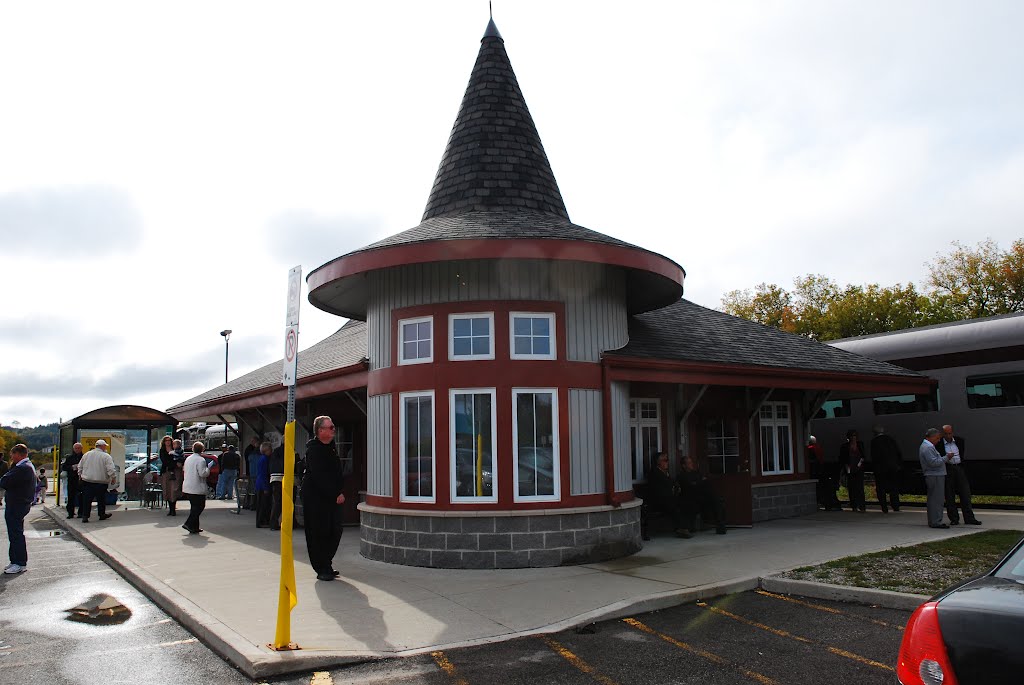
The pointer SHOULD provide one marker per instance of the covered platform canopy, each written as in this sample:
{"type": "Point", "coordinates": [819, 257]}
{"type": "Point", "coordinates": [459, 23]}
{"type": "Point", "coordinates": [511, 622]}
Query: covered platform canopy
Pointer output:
{"type": "Point", "coordinates": [116, 417]}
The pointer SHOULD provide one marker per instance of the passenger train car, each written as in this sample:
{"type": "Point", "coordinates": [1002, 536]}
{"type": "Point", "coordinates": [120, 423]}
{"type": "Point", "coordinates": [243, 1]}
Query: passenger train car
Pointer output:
{"type": "Point", "coordinates": [979, 366]}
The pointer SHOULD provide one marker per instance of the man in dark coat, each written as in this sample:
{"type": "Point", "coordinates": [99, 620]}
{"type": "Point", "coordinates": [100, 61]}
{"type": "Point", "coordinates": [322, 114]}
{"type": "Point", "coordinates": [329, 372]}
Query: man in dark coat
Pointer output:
{"type": "Point", "coordinates": [698, 497]}
{"type": "Point", "coordinates": [322, 498]}
{"type": "Point", "coordinates": [20, 484]}
{"type": "Point", "coordinates": [952, 447]}
{"type": "Point", "coordinates": [663, 495]}
{"type": "Point", "coordinates": [70, 467]}
{"type": "Point", "coordinates": [888, 462]}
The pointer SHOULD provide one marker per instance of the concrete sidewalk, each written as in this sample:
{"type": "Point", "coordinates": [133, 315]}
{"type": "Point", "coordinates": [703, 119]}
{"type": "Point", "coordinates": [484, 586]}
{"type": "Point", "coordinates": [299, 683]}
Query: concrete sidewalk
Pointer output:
{"type": "Point", "coordinates": [223, 584]}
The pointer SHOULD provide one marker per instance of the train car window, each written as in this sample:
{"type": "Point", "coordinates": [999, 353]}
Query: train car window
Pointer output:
{"type": "Point", "coordinates": [906, 404]}
{"type": "Point", "coordinates": [1001, 390]}
{"type": "Point", "coordinates": [834, 409]}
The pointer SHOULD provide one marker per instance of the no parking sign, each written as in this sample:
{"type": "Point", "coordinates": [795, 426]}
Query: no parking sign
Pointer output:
{"type": "Point", "coordinates": [291, 331]}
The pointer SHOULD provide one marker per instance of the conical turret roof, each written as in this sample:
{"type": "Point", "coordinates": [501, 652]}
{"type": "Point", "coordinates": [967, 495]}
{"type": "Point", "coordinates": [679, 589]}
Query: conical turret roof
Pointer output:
{"type": "Point", "coordinates": [494, 197]}
{"type": "Point", "coordinates": [494, 159]}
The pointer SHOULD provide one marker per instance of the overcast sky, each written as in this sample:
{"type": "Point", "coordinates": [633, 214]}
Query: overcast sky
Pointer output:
{"type": "Point", "coordinates": [163, 165]}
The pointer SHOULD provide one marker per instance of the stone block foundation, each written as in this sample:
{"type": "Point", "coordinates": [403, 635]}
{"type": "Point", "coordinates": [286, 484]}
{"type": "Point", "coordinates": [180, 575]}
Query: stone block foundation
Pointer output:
{"type": "Point", "coordinates": [783, 500]}
{"type": "Point", "coordinates": [505, 539]}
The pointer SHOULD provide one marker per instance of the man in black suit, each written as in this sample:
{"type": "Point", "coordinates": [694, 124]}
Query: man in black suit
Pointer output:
{"type": "Point", "coordinates": [322, 498]}
{"type": "Point", "coordinates": [888, 462]}
{"type": "Point", "coordinates": [70, 467]}
{"type": "Point", "coordinates": [952, 446]}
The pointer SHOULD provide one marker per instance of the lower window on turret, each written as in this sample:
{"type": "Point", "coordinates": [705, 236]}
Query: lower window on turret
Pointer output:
{"type": "Point", "coordinates": [472, 445]}
{"type": "Point", "coordinates": [535, 444]}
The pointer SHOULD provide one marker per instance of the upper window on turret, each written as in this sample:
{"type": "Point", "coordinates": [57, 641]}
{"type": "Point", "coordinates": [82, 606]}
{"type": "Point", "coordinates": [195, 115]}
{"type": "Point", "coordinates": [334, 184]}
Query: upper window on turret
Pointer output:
{"type": "Point", "coordinates": [416, 341]}
{"type": "Point", "coordinates": [532, 335]}
{"type": "Point", "coordinates": [471, 336]}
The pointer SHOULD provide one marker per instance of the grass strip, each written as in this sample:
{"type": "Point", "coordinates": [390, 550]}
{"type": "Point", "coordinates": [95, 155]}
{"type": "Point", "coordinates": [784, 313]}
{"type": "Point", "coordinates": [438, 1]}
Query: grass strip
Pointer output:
{"type": "Point", "coordinates": [869, 493]}
{"type": "Point", "coordinates": [923, 569]}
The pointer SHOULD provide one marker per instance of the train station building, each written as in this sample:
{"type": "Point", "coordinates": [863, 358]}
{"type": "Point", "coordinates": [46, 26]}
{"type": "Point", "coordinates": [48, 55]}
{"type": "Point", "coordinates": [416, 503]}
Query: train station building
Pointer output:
{"type": "Point", "coordinates": [506, 375]}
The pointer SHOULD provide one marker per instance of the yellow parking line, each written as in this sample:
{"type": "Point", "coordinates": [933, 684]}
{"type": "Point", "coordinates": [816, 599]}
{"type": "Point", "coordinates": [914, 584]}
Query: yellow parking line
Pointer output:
{"type": "Point", "coordinates": [861, 659]}
{"type": "Point", "coordinates": [798, 638]}
{"type": "Point", "coordinates": [830, 610]}
{"type": "Point", "coordinates": [321, 678]}
{"type": "Point", "coordinates": [753, 675]}
{"type": "Point", "coordinates": [579, 663]}
{"type": "Point", "coordinates": [441, 660]}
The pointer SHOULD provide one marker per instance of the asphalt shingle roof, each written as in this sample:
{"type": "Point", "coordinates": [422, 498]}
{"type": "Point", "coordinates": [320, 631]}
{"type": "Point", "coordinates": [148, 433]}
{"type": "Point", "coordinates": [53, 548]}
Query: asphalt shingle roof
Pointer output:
{"type": "Point", "coordinates": [494, 179]}
{"type": "Point", "coordinates": [496, 224]}
{"type": "Point", "coordinates": [494, 158]}
{"type": "Point", "coordinates": [344, 348]}
{"type": "Point", "coordinates": [685, 331]}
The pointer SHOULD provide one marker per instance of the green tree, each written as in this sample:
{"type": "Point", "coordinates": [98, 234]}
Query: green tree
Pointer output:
{"type": "Point", "coordinates": [767, 304]}
{"type": "Point", "coordinates": [968, 283]}
{"type": "Point", "coordinates": [8, 439]}
{"type": "Point", "coordinates": [820, 309]}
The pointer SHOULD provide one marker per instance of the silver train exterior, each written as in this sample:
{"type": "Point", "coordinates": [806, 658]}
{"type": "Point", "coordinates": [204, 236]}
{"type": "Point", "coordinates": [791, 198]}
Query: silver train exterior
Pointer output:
{"type": "Point", "coordinates": [979, 366]}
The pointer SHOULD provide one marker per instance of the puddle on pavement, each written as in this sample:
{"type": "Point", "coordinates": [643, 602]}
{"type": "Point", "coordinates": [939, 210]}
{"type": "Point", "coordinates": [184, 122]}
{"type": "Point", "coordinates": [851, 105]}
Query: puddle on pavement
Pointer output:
{"type": "Point", "coordinates": [100, 609]}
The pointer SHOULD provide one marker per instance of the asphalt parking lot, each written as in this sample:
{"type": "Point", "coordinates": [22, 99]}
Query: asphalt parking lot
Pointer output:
{"type": "Point", "coordinates": [749, 637]}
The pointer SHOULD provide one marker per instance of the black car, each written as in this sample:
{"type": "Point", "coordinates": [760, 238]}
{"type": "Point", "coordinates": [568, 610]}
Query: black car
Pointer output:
{"type": "Point", "coordinates": [971, 633]}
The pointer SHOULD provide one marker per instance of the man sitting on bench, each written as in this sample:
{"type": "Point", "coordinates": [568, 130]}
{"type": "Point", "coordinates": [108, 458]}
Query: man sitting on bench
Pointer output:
{"type": "Point", "coordinates": [663, 495]}
{"type": "Point", "coordinates": [698, 497]}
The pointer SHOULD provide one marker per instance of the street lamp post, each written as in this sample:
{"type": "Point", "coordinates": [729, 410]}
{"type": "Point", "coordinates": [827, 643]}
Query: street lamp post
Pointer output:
{"type": "Point", "coordinates": [227, 336]}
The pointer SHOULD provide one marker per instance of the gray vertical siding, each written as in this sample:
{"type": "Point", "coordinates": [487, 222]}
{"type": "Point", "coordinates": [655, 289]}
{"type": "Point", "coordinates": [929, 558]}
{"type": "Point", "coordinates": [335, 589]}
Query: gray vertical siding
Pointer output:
{"type": "Point", "coordinates": [620, 436]}
{"type": "Point", "coordinates": [586, 442]}
{"type": "Point", "coordinates": [594, 297]}
{"type": "Point", "coordinates": [378, 448]}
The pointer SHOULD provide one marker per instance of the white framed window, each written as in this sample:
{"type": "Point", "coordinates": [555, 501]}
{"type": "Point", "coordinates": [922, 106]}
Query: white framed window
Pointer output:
{"type": "Point", "coordinates": [531, 335]}
{"type": "Point", "coordinates": [416, 341]}
{"type": "Point", "coordinates": [471, 336]}
{"type": "Point", "coordinates": [472, 419]}
{"type": "Point", "coordinates": [644, 434]}
{"type": "Point", "coordinates": [722, 445]}
{"type": "Point", "coordinates": [535, 444]}
{"type": "Point", "coordinates": [776, 438]}
{"type": "Point", "coordinates": [416, 446]}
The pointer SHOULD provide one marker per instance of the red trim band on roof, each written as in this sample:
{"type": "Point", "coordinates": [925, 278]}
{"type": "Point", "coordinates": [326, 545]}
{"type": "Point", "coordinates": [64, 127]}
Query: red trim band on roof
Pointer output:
{"type": "Point", "coordinates": [495, 248]}
{"type": "Point", "coordinates": [669, 371]}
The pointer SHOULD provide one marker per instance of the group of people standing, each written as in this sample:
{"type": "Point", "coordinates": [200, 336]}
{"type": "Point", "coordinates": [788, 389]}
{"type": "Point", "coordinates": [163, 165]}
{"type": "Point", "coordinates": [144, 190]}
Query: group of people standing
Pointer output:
{"type": "Point", "coordinates": [90, 475]}
{"type": "Point", "coordinates": [940, 455]}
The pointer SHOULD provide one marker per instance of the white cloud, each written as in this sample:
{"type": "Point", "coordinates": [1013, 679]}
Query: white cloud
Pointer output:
{"type": "Point", "coordinates": [164, 165]}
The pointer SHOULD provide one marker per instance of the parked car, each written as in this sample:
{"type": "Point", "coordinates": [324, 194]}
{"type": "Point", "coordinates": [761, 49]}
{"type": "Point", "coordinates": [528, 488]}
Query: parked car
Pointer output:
{"type": "Point", "coordinates": [465, 474]}
{"type": "Point", "coordinates": [969, 633]}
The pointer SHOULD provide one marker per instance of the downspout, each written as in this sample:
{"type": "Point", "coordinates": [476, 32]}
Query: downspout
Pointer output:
{"type": "Point", "coordinates": [609, 441]}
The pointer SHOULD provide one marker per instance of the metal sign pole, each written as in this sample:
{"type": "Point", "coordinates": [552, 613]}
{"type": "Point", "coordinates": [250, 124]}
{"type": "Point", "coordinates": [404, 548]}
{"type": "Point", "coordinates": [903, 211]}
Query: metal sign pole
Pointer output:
{"type": "Point", "coordinates": [287, 597]}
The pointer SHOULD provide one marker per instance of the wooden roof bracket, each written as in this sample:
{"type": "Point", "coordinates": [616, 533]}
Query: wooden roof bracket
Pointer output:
{"type": "Point", "coordinates": [818, 400]}
{"type": "Point", "coordinates": [359, 405]}
{"type": "Point", "coordinates": [759, 401]}
{"type": "Point", "coordinates": [227, 425]}
{"type": "Point", "coordinates": [267, 419]}
{"type": "Point", "coordinates": [693, 405]}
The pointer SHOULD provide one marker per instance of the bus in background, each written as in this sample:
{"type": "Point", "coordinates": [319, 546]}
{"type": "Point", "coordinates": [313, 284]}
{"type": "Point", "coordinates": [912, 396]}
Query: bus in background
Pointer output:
{"type": "Point", "coordinates": [214, 436]}
{"type": "Point", "coordinates": [979, 366]}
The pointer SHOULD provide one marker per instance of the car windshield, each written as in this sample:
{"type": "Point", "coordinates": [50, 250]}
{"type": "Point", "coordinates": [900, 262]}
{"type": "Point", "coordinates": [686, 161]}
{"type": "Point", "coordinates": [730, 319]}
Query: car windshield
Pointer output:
{"type": "Point", "coordinates": [1013, 567]}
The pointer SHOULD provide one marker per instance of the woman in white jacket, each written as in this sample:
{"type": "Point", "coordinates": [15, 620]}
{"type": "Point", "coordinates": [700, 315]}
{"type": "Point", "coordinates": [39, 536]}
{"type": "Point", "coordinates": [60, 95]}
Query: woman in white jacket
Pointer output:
{"type": "Point", "coordinates": [193, 486]}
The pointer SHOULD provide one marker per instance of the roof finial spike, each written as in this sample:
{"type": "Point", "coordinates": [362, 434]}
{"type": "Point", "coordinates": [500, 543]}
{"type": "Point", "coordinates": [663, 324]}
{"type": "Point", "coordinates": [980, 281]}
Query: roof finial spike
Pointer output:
{"type": "Point", "coordinates": [492, 30]}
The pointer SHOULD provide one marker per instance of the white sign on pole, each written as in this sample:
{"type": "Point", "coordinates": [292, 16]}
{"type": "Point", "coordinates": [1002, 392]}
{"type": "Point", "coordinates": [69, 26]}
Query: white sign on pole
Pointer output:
{"type": "Point", "coordinates": [291, 331]}
{"type": "Point", "coordinates": [291, 355]}
{"type": "Point", "coordinates": [294, 295]}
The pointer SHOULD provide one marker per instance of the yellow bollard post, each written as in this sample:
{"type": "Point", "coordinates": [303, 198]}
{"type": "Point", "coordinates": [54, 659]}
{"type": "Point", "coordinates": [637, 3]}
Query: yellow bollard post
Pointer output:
{"type": "Point", "coordinates": [480, 465]}
{"type": "Point", "coordinates": [55, 475]}
{"type": "Point", "coordinates": [287, 597]}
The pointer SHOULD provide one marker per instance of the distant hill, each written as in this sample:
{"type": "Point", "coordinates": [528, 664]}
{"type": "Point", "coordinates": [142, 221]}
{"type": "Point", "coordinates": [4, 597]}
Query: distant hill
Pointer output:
{"type": "Point", "coordinates": [38, 438]}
